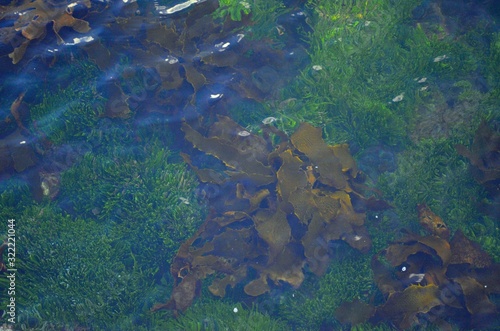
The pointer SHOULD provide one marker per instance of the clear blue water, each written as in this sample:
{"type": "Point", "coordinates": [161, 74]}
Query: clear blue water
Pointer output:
{"type": "Point", "coordinates": [100, 180]}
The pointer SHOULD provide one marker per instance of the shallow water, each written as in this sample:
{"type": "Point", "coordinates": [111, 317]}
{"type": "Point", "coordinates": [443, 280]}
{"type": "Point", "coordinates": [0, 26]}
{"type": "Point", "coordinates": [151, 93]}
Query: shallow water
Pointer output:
{"type": "Point", "coordinates": [117, 145]}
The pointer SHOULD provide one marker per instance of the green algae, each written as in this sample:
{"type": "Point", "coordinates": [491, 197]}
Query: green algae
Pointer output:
{"type": "Point", "coordinates": [212, 314]}
{"type": "Point", "coordinates": [366, 60]}
{"type": "Point", "coordinates": [99, 258]}
{"type": "Point", "coordinates": [311, 306]}
{"type": "Point", "coordinates": [432, 172]}
{"type": "Point", "coordinates": [69, 112]}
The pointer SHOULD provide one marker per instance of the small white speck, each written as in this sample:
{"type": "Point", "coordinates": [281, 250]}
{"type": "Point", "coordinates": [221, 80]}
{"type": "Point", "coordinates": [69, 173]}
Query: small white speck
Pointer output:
{"type": "Point", "coordinates": [357, 238]}
{"type": "Point", "coordinates": [184, 200]}
{"type": "Point", "coordinates": [216, 96]}
{"type": "Point", "coordinates": [317, 67]}
{"type": "Point", "coordinates": [171, 59]}
{"type": "Point", "coordinates": [422, 80]}
{"type": "Point", "coordinates": [440, 58]}
{"type": "Point", "coordinates": [243, 133]}
{"type": "Point", "coordinates": [403, 269]}
{"type": "Point", "coordinates": [398, 98]}
{"type": "Point", "coordinates": [417, 278]}
{"type": "Point", "coordinates": [269, 120]}
{"type": "Point", "coordinates": [235, 310]}
{"type": "Point", "coordinates": [22, 142]}
{"type": "Point", "coordinates": [423, 88]}
{"type": "Point", "coordinates": [245, 4]}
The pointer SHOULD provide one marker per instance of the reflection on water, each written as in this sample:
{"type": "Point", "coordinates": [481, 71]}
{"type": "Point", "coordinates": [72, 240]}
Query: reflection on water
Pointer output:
{"type": "Point", "coordinates": [125, 124]}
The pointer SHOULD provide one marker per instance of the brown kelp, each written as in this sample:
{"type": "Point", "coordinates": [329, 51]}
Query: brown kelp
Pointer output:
{"type": "Point", "coordinates": [484, 157]}
{"type": "Point", "coordinates": [152, 58]}
{"type": "Point", "coordinates": [32, 19]}
{"type": "Point", "coordinates": [431, 280]}
{"type": "Point", "coordinates": [273, 207]}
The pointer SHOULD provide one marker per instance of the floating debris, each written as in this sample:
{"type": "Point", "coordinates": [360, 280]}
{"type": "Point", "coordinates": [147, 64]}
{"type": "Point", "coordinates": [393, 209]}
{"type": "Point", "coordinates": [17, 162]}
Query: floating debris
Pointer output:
{"type": "Point", "coordinates": [317, 67]}
{"type": "Point", "coordinates": [243, 133]}
{"type": "Point", "coordinates": [268, 120]}
{"type": "Point", "coordinates": [440, 58]}
{"type": "Point", "coordinates": [398, 98]}
{"type": "Point", "coordinates": [184, 200]}
{"type": "Point", "coordinates": [179, 7]}
{"type": "Point", "coordinates": [171, 59]}
{"type": "Point", "coordinates": [77, 41]}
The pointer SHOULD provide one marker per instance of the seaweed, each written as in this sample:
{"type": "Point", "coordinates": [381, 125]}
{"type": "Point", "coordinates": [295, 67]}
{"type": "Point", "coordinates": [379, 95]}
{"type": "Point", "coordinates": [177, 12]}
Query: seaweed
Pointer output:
{"type": "Point", "coordinates": [68, 113]}
{"type": "Point", "coordinates": [212, 314]}
{"type": "Point", "coordinates": [97, 252]}
{"type": "Point", "coordinates": [33, 19]}
{"type": "Point", "coordinates": [428, 280]}
{"type": "Point", "coordinates": [272, 209]}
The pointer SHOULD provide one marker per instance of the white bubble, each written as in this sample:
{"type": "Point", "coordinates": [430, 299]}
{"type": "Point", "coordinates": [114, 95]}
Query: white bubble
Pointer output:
{"type": "Point", "coordinates": [398, 98]}
{"type": "Point", "coordinates": [440, 58]}
{"type": "Point", "coordinates": [417, 278]}
{"type": "Point", "coordinates": [235, 310]}
{"type": "Point", "coordinates": [243, 133]}
{"type": "Point", "coordinates": [171, 59]}
{"type": "Point", "coordinates": [269, 120]}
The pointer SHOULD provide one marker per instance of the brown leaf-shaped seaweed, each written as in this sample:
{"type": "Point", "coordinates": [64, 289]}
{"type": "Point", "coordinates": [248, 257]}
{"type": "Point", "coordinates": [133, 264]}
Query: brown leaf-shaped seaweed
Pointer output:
{"type": "Point", "coordinates": [432, 222]}
{"type": "Point", "coordinates": [430, 245]}
{"type": "Point", "coordinates": [307, 139]}
{"type": "Point", "coordinates": [402, 307]}
{"type": "Point", "coordinates": [476, 296]}
{"type": "Point", "coordinates": [259, 193]}
{"type": "Point", "coordinates": [37, 15]}
{"type": "Point", "coordinates": [466, 251]}
{"type": "Point", "coordinates": [484, 154]}
{"type": "Point", "coordinates": [418, 273]}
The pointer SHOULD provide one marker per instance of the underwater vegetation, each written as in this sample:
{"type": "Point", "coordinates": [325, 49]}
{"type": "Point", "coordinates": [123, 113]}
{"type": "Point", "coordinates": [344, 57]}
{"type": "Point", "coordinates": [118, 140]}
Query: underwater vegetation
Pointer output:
{"type": "Point", "coordinates": [33, 25]}
{"type": "Point", "coordinates": [69, 113]}
{"type": "Point", "coordinates": [432, 280]}
{"type": "Point", "coordinates": [410, 82]}
{"type": "Point", "coordinates": [274, 210]}
{"type": "Point", "coordinates": [233, 9]}
{"type": "Point", "coordinates": [177, 64]}
{"type": "Point", "coordinates": [378, 75]}
{"type": "Point", "coordinates": [484, 156]}
{"type": "Point", "coordinates": [432, 172]}
{"type": "Point", "coordinates": [98, 251]}
{"type": "Point", "coordinates": [218, 315]}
